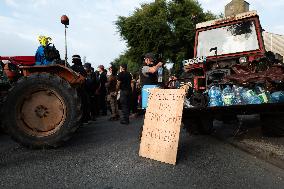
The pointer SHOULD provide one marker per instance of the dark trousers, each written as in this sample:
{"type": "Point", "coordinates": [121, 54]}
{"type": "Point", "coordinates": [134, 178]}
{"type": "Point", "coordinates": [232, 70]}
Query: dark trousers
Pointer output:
{"type": "Point", "coordinates": [85, 101]}
{"type": "Point", "coordinates": [134, 103]}
{"type": "Point", "coordinates": [125, 98]}
{"type": "Point", "coordinates": [102, 103]}
{"type": "Point", "coordinates": [97, 105]}
{"type": "Point", "coordinates": [93, 106]}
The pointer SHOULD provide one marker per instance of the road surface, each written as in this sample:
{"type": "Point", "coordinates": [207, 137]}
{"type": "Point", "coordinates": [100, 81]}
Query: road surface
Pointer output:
{"type": "Point", "coordinates": [105, 155]}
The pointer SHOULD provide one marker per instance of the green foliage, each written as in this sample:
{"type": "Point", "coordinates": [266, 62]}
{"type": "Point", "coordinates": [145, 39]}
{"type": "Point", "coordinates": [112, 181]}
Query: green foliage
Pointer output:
{"type": "Point", "coordinates": [163, 27]}
{"type": "Point", "coordinates": [133, 66]}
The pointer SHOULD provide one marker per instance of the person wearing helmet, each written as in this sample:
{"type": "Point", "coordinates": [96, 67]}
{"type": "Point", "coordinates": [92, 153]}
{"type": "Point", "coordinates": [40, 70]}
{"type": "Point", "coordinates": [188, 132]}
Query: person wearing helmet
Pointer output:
{"type": "Point", "coordinates": [77, 65]}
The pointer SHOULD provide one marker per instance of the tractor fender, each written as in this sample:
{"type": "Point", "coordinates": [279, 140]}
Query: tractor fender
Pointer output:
{"type": "Point", "coordinates": [64, 72]}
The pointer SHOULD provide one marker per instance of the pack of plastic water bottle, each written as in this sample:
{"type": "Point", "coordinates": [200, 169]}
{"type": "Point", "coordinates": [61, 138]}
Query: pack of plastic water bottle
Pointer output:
{"type": "Point", "coordinates": [237, 95]}
{"type": "Point", "coordinates": [215, 96]}
{"type": "Point", "coordinates": [277, 97]}
{"type": "Point", "coordinates": [228, 96]}
{"type": "Point", "coordinates": [250, 97]}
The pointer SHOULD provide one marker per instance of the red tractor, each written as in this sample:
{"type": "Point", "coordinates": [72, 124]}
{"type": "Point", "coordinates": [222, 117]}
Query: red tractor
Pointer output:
{"type": "Point", "coordinates": [230, 51]}
{"type": "Point", "coordinates": [40, 106]}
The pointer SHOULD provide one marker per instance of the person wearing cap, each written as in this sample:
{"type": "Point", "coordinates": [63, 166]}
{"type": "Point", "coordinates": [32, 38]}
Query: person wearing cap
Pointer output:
{"type": "Point", "coordinates": [101, 90]}
{"type": "Point", "coordinates": [112, 95]}
{"type": "Point", "coordinates": [77, 65]}
{"type": "Point", "coordinates": [148, 73]}
{"type": "Point", "coordinates": [124, 86]}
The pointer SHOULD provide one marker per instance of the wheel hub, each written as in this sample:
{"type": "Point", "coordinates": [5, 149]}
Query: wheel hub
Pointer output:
{"type": "Point", "coordinates": [42, 112]}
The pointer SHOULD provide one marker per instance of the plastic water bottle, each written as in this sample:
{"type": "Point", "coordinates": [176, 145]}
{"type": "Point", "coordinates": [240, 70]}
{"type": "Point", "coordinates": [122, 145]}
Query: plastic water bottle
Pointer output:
{"type": "Point", "coordinates": [277, 97]}
{"type": "Point", "coordinates": [160, 75]}
{"type": "Point", "coordinates": [228, 96]}
{"type": "Point", "coordinates": [215, 96]}
{"type": "Point", "coordinates": [262, 94]}
{"type": "Point", "coordinates": [238, 98]}
{"type": "Point", "coordinates": [250, 97]}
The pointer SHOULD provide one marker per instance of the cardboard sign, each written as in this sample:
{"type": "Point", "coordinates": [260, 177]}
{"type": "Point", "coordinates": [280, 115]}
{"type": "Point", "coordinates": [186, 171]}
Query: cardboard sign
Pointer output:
{"type": "Point", "coordinates": [162, 122]}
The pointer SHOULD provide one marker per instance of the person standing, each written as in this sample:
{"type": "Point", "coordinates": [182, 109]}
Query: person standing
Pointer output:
{"type": "Point", "coordinates": [79, 68]}
{"type": "Point", "coordinates": [149, 71]}
{"type": "Point", "coordinates": [124, 86]}
{"type": "Point", "coordinates": [102, 91]}
{"type": "Point", "coordinates": [77, 65]}
{"type": "Point", "coordinates": [112, 95]}
{"type": "Point", "coordinates": [90, 85]}
{"type": "Point", "coordinates": [149, 76]}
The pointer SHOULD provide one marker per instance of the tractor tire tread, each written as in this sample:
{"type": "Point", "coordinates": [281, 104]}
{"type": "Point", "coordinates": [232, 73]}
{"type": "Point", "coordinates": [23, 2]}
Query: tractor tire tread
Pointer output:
{"type": "Point", "coordinates": [72, 102]}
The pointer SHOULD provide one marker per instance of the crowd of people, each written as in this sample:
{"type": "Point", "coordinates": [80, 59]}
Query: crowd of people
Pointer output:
{"type": "Point", "coordinates": [110, 89]}
{"type": "Point", "coordinates": [107, 90]}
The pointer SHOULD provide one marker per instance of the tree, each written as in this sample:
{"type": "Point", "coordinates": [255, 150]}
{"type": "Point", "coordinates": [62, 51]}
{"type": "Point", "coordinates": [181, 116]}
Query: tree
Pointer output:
{"type": "Point", "coordinates": [163, 27]}
{"type": "Point", "coordinates": [125, 58]}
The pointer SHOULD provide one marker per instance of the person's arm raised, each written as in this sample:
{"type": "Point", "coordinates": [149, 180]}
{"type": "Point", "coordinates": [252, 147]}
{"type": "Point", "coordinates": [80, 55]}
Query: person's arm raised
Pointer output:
{"type": "Point", "coordinates": [155, 68]}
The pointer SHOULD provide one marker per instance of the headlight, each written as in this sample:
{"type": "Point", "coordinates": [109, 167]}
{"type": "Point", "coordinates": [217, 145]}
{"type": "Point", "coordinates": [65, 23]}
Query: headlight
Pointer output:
{"type": "Point", "coordinates": [243, 60]}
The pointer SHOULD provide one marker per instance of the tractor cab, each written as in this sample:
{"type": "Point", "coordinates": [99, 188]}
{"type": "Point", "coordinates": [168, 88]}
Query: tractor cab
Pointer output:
{"type": "Point", "coordinates": [230, 38]}
{"type": "Point", "coordinates": [220, 44]}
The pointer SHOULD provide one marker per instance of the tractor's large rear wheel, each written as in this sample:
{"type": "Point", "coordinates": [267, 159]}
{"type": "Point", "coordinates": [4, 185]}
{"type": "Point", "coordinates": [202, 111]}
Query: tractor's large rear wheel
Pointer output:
{"type": "Point", "coordinates": [42, 111]}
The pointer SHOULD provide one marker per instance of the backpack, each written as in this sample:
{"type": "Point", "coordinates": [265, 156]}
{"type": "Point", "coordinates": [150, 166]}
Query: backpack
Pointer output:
{"type": "Point", "coordinates": [51, 53]}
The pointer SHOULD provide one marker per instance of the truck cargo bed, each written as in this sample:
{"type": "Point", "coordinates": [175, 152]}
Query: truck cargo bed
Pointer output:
{"type": "Point", "coordinates": [235, 109]}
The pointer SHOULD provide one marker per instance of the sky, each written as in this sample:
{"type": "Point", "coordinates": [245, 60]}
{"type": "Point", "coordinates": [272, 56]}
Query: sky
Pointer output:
{"type": "Point", "coordinates": [92, 32]}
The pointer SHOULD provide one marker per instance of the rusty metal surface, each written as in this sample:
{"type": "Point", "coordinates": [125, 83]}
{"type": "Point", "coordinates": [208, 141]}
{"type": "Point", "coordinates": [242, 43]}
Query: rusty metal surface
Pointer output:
{"type": "Point", "coordinates": [64, 72]}
{"type": "Point", "coordinates": [41, 113]}
{"type": "Point", "coordinates": [245, 74]}
{"type": "Point", "coordinates": [226, 19]}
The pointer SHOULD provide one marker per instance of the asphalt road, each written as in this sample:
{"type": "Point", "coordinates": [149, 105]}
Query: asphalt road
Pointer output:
{"type": "Point", "coordinates": [105, 155]}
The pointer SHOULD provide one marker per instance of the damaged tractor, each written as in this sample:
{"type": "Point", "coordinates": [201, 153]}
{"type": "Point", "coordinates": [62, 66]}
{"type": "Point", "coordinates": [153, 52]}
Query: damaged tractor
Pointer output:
{"type": "Point", "coordinates": [231, 74]}
{"type": "Point", "coordinates": [40, 107]}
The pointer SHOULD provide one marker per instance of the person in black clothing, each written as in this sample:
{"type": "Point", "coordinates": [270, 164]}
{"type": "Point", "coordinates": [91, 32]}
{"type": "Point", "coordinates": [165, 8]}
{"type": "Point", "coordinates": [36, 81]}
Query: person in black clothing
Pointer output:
{"type": "Point", "coordinates": [101, 90]}
{"type": "Point", "coordinates": [148, 73]}
{"type": "Point", "coordinates": [91, 85]}
{"type": "Point", "coordinates": [124, 86]}
{"type": "Point", "coordinates": [79, 68]}
{"type": "Point", "coordinates": [77, 65]}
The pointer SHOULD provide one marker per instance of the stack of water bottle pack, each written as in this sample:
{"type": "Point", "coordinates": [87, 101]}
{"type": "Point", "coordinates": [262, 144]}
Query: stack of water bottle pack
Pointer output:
{"type": "Point", "coordinates": [236, 95]}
